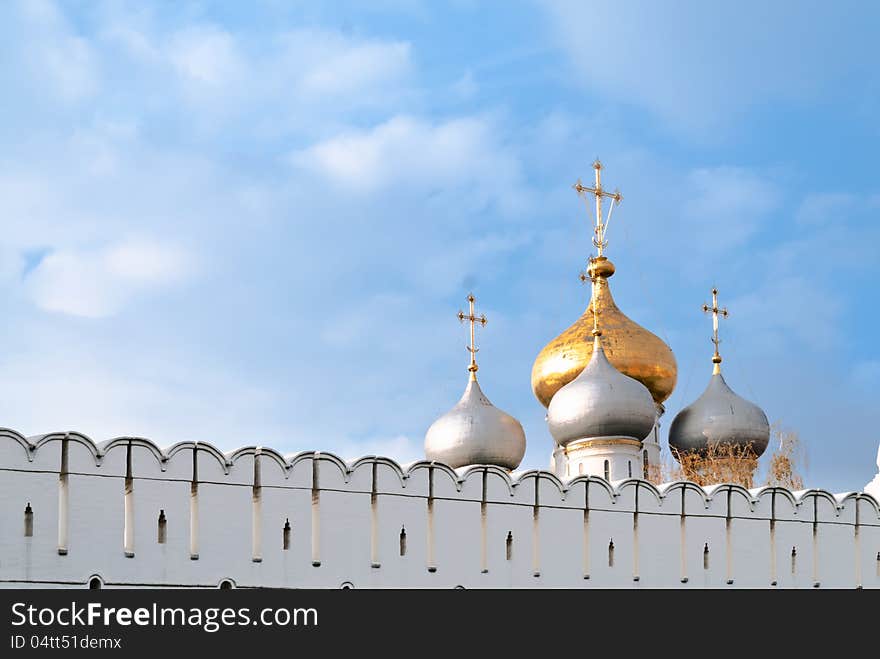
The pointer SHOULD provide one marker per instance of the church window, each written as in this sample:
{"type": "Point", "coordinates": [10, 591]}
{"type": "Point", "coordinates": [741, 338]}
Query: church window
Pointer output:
{"type": "Point", "coordinates": [285, 535]}
{"type": "Point", "coordinates": [611, 553]}
{"type": "Point", "coordinates": [402, 541]}
{"type": "Point", "coordinates": [645, 464]}
{"type": "Point", "coordinates": [607, 471]}
{"type": "Point", "coordinates": [28, 521]}
{"type": "Point", "coordinates": [509, 545]}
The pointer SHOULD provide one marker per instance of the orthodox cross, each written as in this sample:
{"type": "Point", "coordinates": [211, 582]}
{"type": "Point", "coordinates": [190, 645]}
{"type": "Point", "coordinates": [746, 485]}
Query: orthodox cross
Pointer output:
{"type": "Point", "coordinates": [601, 227]}
{"type": "Point", "coordinates": [473, 319]}
{"type": "Point", "coordinates": [715, 311]}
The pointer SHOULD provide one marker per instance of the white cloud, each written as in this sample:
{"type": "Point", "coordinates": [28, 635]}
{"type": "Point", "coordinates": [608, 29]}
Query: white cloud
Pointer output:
{"type": "Point", "coordinates": [291, 78]}
{"type": "Point", "coordinates": [60, 383]}
{"type": "Point", "coordinates": [206, 55]}
{"type": "Point", "coordinates": [98, 283]}
{"type": "Point", "coordinates": [330, 63]}
{"type": "Point", "coordinates": [406, 151]}
{"type": "Point", "coordinates": [55, 53]}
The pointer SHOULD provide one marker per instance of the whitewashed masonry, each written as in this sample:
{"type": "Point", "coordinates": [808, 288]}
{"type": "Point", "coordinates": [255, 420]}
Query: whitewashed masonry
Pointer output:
{"type": "Point", "coordinates": [125, 513]}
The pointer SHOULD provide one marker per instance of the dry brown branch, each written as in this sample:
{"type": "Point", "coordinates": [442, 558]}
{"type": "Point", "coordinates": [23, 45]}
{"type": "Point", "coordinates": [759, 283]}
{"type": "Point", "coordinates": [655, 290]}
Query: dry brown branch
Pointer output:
{"type": "Point", "coordinates": [724, 463]}
{"type": "Point", "coordinates": [720, 463]}
{"type": "Point", "coordinates": [783, 469]}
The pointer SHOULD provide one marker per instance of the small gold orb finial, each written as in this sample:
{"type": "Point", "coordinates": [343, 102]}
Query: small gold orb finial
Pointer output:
{"type": "Point", "coordinates": [600, 266]}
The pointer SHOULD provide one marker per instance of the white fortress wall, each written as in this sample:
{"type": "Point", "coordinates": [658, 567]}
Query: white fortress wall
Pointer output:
{"type": "Point", "coordinates": [258, 518]}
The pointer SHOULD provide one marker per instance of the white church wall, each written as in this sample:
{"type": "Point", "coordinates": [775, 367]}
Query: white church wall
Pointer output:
{"type": "Point", "coordinates": [835, 537]}
{"type": "Point", "coordinates": [346, 521]}
{"type": "Point", "coordinates": [559, 534]}
{"type": "Point", "coordinates": [31, 479]}
{"type": "Point", "coordinates": [95, 511]}
{"type": "Point", "coordinates": [156, 491]}
{"type": "Point", "coordinates": [456, 530]}
{"type": "Point", "coordinates": [401, 529]}
{"type": "Point", "coordinates": [505, 518]}
{"type": "Point", "coordinates": [658, 562]}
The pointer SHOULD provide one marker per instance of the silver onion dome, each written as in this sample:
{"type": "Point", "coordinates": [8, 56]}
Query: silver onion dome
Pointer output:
{"type": "Point", "coordinates": [601, 402]}
{"type": "Point", "coordinates": [476, 432]}
{"type": "Point", "coordinates": [719, 416]}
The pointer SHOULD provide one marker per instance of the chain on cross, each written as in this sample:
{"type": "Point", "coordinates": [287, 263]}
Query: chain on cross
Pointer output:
{"type": "Point", "coordinates": [473, 319]}
{"type": "Point", "coordinates": [601, 226]}
{"type": "Point", "coordinates": [716, 312]}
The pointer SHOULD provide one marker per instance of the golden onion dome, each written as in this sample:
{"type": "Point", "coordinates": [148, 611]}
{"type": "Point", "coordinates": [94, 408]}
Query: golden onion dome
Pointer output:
{"type": "Point", "coordinates": [631, 349]}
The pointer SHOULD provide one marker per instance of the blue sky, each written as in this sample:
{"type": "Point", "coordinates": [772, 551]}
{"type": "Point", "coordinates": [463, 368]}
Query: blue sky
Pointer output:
{"type": "Point", "coordinates": [253, 223]}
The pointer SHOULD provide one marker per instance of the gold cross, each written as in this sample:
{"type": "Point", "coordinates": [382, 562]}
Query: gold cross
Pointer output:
{"type": "Point", "coordinates": [599, 239]}
{"type": "Point", "coordinates": [473, 319]}
{"type": "Point", "coordinates": [715, 311]}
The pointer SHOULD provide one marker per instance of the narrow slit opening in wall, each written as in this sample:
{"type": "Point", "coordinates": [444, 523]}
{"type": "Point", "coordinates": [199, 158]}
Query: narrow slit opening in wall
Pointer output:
{"type": "Point", "coordinates": [509, 545]}
{"type": "Point", "coordinates": [285, 535]}
{"type": "Point", "coordinates": [95, 584]}
{"type": "Point", "coordinates": [645, 469]}
{"type": "Point", "coordinates": [162, 528]}
{"type": "Point", "coordinates": [63, 498]}
{"type": "Point", "coordinates": [28, 521]}
{"type": "Point", "coordinates": [607, 471]}
{"type": "Point", "coordinates": [194, 507]}
{"type": "Point", "coordinates": [793, 560]}
{"type": "Point", "coordinates": [316, 515]}
{"type": "Point", "coordinates": [403, 541]}
{"type": "Point", "coordinates": [629, 468]}
{"type": "Point", "coordinates": [706, 556]}
{"type": "Point", "coordinates": [878, 563]}
{"type": "Point", "coordinates": [611, 553]}
{"type": "Point", "coordinates": [128, 498]}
